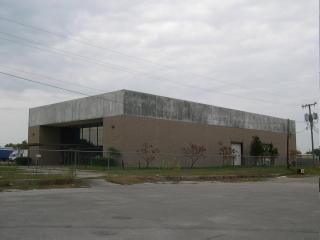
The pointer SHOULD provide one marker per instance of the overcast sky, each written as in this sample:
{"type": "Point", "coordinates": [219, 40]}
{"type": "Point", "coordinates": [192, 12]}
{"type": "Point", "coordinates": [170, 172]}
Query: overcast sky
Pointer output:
{"type": "Point", "coordinates": [252, 55]}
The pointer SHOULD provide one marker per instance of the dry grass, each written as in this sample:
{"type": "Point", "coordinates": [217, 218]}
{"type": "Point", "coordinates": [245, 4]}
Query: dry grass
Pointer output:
{"type": "Point", "coordinates": [243, 171]}
{"type": "Point", "coordinates": [16, 178]}
{"type": "Point", "coordinates": [134, 179]}
{"type": "Point", "coordinates": [223, 174]}
{"type": "Point", "coordinates": [41, 186]}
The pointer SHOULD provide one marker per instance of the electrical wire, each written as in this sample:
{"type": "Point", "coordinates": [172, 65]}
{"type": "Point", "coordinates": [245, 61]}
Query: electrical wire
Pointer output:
{"type": "Point", "coordinates": [99, 96]}
{"type": "Point", "coordinates": [301, 131]}
{"type": "Point", "coordinates": [141, 59]}
{"type": "Point", "coordinates": [52, 78]}
{"type": "Point", "coordinates": [120, 67]}
{"type": "Point", "coordinates": [63, 36]}
{"type": "Point", "coordinates": [67, 53]}
{"type": "Point", "coordinates": [170, 82]}
{"type": "Point", "coordinates": [57, 87]}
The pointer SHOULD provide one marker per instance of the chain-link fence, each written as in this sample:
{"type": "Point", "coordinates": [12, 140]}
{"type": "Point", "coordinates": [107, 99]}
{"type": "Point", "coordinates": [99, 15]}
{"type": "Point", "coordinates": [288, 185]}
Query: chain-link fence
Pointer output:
{"type": "Point", "coordinates": [301, 161]}
{"type": "Point", "coordinates": [69, 161]}
{"type": "Point", "coordinates": [107, 159]}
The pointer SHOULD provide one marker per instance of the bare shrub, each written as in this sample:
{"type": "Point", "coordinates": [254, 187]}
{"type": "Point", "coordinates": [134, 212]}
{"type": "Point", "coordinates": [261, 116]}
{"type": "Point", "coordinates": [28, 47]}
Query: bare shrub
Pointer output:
{"type": "Point", "coordinates": [228, 155]}
{"type": "Point", "coordinates": [149, 153]}
{"type": "Point", "coordinates": [194, 152]}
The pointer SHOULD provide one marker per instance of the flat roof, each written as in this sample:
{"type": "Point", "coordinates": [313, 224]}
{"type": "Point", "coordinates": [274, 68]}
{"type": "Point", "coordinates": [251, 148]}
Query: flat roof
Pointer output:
{"type": "Point", "coordinates": [132, 103]}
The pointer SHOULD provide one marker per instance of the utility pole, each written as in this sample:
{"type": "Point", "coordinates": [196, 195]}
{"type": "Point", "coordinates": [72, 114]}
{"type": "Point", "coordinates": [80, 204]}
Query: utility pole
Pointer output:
{"type": "Point", "coordinates": [288, 138]}
{"type": "Point", "coordinates": [309, 118]}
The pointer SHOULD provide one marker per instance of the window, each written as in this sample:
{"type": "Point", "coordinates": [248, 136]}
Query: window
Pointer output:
{"type": "Point", "coordinates": [92, 135]}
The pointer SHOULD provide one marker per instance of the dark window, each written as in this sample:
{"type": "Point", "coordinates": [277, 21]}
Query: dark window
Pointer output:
{"type": "Point", "coordinates": [92, 135]}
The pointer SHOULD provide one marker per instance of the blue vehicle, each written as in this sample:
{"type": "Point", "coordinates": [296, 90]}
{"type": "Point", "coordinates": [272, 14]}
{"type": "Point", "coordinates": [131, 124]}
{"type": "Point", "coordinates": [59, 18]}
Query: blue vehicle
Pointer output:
{"type": "Point", "coordinates": [5, 153]}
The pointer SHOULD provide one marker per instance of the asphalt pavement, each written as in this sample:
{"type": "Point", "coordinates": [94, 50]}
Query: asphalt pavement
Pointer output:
{"type": "Point", "coordinates": [282, 208]}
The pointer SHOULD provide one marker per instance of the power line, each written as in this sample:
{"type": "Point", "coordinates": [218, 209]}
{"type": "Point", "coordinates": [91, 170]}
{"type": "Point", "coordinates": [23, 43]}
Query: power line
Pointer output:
{"type": "Point", "coordinates": [123, 54]}
{"type": "Point", "coordinates": [108, 49]}
{"type": "Point", "coordinates": [83, 42]}
{"type": "Point", "coordinates": [11, 108]}
{"type": "Point", "coordinates": [301, 131]}
{"type": "Point", "coordinates": [68, 53]}
{"type": "Point", "coordinates": [42, 83]}
{"type": "Point", "coordinates": [97, 61]}
{"type": "Point", "coordinates": [84, 58]}
{"type": "Point", "coordinates": [100, 97]}
{"type": "Point", "coordinates": [57, 87]}
{"type": "Point", "coordinates": [54, 79]}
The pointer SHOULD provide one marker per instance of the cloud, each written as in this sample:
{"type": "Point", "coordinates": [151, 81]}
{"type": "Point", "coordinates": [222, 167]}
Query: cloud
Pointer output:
{"type": "Point", "coordinates": [215, 49]}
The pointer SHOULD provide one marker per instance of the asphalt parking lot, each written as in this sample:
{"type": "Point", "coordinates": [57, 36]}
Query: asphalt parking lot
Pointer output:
{"type": "Point", "coordinates": [277, 209]}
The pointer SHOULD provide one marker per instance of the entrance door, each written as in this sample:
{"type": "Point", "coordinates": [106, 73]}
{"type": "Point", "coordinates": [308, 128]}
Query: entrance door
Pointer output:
{"type": "Point", "coordinates": [237, 147]}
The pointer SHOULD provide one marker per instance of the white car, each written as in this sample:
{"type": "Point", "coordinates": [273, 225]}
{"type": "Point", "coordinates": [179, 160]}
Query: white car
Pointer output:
{"type": "Point", "coordinates": [18, 153]}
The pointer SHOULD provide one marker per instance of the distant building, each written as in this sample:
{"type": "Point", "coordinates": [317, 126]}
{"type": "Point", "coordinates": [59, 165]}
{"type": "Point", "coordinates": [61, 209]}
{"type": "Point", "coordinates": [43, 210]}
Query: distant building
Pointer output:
{"type": "Point", "coordinates": [127, 119]}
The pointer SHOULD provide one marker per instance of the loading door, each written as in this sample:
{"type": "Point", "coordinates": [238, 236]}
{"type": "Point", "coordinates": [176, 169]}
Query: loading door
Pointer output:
{"type": "Point", "coordinates": [237, 147]}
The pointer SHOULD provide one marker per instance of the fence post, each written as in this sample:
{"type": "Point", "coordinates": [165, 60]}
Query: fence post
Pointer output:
{"type": "Point", "coordinates": [162, 165]}
{"type": "Point", "coordinates": [75, 163]}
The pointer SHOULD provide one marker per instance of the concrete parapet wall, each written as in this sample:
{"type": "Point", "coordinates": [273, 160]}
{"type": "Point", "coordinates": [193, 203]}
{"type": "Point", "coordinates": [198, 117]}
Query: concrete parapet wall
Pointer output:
{"type": "Point", "coordinates": [152, 106]}
{"type": "Point", "coordinates": [138, 104]}
{"type": "Point", "coordinates": [100, 106]}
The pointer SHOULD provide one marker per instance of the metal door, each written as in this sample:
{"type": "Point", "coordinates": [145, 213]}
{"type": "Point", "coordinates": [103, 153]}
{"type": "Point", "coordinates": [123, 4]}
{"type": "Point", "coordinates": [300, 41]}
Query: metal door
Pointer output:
{"type": "Point", "coordinates": [237, 147]}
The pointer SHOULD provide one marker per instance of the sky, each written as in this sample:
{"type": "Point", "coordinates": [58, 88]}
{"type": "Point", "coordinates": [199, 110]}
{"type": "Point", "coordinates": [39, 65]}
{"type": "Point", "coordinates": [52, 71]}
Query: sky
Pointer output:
{"type": "Point", "coordinates": [251, 55]}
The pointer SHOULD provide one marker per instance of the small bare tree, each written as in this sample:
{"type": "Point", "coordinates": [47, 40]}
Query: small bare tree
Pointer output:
{"type": "Point", "coordinates": [228, 155]}
{"type": "Point", "coordinates": [194, 152]}
{"type": "Point", "coordinates": [149, 153]}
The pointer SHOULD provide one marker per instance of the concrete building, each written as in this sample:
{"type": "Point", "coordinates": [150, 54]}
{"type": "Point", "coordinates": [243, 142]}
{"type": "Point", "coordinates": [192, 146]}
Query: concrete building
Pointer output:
{"type": "Point", "coordinates": [127, 119]}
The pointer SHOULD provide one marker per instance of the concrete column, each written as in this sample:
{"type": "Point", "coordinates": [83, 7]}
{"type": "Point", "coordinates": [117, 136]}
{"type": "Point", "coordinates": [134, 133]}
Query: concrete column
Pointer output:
{"type": "Point", "coordinates": [45, 138]}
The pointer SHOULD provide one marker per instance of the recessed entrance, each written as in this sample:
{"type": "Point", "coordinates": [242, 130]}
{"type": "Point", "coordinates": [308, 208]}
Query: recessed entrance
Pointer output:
{"type": "Point", "coordinates": [88, 138]}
